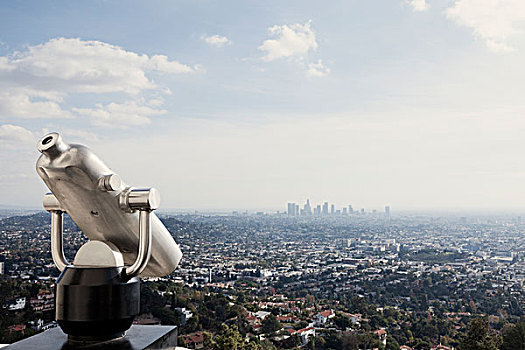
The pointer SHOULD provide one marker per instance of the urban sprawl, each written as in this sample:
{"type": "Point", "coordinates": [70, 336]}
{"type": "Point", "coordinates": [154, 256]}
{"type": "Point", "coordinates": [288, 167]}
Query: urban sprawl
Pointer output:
{"type": "Point", "coordinates": [312, 278]}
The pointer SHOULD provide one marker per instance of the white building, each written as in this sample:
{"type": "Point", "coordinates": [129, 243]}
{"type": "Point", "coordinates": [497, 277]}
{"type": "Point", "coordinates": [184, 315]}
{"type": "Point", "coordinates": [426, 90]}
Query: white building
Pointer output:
{"type": "Point", "coordinates": [185, 315]}
{"type": "Point", "coordinates": [322, 317]}
{"type": "Point", "coordinates": [306, 333]}
{"type": "Point", "coordinates": [17, 304]}
{"type": "Point", "coordinates": [261, 314]}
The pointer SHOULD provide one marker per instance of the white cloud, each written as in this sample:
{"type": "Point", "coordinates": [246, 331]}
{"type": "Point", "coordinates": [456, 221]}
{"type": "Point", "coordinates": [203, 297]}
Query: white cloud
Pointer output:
{"type": "Point", "coordinates": [156, 102]}
{"type": "Point", "coordinates": [494, 21]}
{"type": "Point", "coordinates": [35, 82]}
{"type": "Point", "coordinates": [418, 5]}
{"type": "Point", "coordinates": [92, 66]}
{"type": "Point", "coordinates": [162, 64]}
{"type": "Point", "coordinates": [129, 113]}
{"type": "Point", "coordinates": [216, 40]}
{"type": "Point", "coordinates": [9, 132]}
{"type": "Point", "coordinates": [14, 137]}
{"type": "Point", "coordinates": [292, 41]}
{"type": "Point", "coordinates": [318, 69]}
{"type": "Point", "coordinates": [495, 46]}
{"type": "Point", "coordinates": [70, 134]}
{"type": "Point", "coordinates": [5, 65]}
{"type": "Point", "coordinates": [20, 103]}
{"type": "Point", "coordinates": [17, 161]}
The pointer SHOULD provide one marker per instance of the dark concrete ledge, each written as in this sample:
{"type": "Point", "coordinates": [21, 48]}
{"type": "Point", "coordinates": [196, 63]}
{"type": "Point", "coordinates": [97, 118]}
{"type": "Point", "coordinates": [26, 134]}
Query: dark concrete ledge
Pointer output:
{"type": "Point", "coordinates": [137, 338]}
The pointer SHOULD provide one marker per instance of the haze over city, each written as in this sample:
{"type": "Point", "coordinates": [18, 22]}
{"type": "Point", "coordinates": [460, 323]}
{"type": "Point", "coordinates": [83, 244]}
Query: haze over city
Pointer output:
{"type": "Point", "coordinates": [240, 105]}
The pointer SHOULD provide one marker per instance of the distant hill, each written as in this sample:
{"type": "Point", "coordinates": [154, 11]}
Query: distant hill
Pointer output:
{"type": "Point", "coordinates": [35, 220]}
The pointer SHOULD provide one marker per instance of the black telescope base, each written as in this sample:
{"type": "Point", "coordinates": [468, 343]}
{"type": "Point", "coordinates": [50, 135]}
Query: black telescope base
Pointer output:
{"type": "Point", "coordinates": [95, 304]}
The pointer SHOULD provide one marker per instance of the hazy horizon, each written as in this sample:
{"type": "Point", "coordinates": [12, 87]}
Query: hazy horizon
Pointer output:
{"type": "Point", "coordinates": [415, 104]}
{"type": "Point", "coordinates": [430, 212]}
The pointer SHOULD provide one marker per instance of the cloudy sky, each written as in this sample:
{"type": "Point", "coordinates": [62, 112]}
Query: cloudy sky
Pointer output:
{"type": "Point", "coordinates": [417, 104]}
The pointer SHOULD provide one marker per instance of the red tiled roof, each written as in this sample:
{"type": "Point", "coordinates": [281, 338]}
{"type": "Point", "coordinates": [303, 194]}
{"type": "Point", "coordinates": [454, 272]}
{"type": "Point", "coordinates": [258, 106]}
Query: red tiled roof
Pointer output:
{"type": "Point", "coordinates": [197, 337]}
{"type": "Point", "coordinates": [17, 328]}
{"type": "Point", "coordinates": [326, 313]}
{"type": "Point", "coordinates": [305, 329]}
{"type": "Point", "coordinates": [380, 332]}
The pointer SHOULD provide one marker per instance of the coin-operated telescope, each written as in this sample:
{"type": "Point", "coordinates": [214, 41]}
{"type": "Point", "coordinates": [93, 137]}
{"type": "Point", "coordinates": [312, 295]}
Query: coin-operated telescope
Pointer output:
{"type": "Point", "coordinates": [98, 294]}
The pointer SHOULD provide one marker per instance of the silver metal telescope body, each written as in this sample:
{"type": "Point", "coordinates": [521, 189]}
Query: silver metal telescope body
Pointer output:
{"type": "Point", "coordinates": [106, 209]}
{"type": "Point", "coordinates": [98, 295]}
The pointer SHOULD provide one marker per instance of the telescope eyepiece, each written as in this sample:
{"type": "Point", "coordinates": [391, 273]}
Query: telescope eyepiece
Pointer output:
{"type": "Point", "coordinates": [52, 145]}
{"type": "Point", "coordinates": [47, 140]}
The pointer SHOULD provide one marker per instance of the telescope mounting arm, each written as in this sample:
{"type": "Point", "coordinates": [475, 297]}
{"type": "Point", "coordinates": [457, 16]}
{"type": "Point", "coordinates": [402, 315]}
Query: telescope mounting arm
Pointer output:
{"type": "Point", "coordinates": [52, 205]}
{"type": "Point", "coordinates": [145, 200]}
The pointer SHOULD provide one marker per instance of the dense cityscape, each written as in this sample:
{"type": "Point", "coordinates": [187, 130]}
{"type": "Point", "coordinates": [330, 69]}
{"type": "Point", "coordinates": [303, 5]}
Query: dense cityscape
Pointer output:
{"type": "Point", "coordinates": [313, 278]}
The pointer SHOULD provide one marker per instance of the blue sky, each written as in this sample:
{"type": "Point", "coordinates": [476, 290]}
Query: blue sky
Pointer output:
{"type": "Point", "coordinates": [417, 104]}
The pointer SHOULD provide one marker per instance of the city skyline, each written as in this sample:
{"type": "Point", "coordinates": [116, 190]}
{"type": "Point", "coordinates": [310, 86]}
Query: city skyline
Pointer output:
{"type": "Point", "coordinates": [327, 208]}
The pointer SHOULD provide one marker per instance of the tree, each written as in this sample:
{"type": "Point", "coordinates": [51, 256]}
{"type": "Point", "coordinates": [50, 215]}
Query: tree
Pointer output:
{"type": "Point", "coordinates": [319, 343]}
{"type": "Point", "coordinates": [229, 339]}
{"type": "Point", "coordinates": [208, 340]}
{"type": "Point", "coordinates": [270, 324]}
{"type": "Point", "coordinates": [350, 341]}
{"type": "Point", "coordinates": [343, 322]}
{"type": "Point", "coordinates": [292, 342]}
{"type": "Point", "coordinates": [166, 316]}
{"type": "Point", "coordinates": [422, 345]}
{"type": "Point", "coordinates": [479, 336]}
{"type": "Point", "coordinates": [252, 346]}
{"type": "Point", "coordinates": [392, 344]}
{"type": "Point", "coordinates": [514, 337]}
{"type": "Point", "coordinates": [267, 345]}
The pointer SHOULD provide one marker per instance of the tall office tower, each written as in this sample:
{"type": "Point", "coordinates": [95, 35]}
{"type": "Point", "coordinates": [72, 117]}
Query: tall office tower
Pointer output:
{"type": "Point", "coordinates": [344, 211]}
{"type": "Point", "coordinates": [318, 209]}
{"type": "Point", "coordinates": [387, 212]}
{"type": "Point", "coordinates": [362, 210]}
{"type": "Point", "coordinates": [296, 209]}
{"type": "Point", "coordinates": [332, 209]}
{"type": "Point", "coordinates": [350, 209]}
{"type": "Point", "coordinates": [325, 208]}
{"type": "Point", "coordinates": [307, 210]}
{"type": "Point", "coordinates": [291, 209]}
